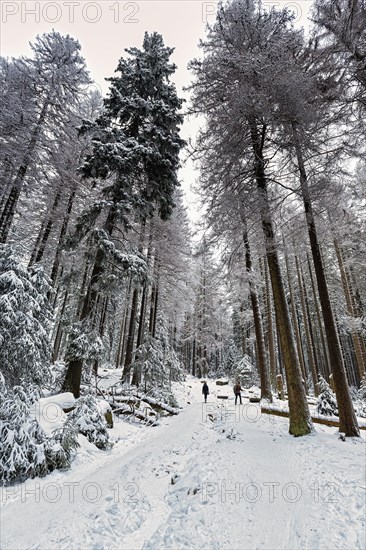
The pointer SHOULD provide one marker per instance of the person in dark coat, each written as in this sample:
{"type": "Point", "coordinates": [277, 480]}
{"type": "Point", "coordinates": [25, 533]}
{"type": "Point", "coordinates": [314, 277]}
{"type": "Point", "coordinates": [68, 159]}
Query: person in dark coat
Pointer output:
{"type": "Point", "coordinates": [205, 391]}
{"type": "Point", "coordinates": [237, 391]}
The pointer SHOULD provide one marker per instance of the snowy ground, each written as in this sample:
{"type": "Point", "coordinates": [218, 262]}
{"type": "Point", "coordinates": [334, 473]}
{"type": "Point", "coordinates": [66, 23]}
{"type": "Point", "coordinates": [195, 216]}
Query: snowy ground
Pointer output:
{"type": "Point", "coordinates": [213, 477]}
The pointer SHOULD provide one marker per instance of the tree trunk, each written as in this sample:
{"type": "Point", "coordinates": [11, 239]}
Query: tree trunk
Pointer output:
{"type": "Point", "coordinates": [300, 421]}
{"type": "Point", "coordinates": [271, 340]}
{"type": "Point", "coordinates": [13, 197]}
{"type": "Point", "coordinates": [65, 223]}
{"type": "Point", "coordinates": [130, 338]}
{"type": "Point", "coordinates": [309, 342]}
{"type": "Point", "coordinates": [154, 299]}
{"type": "Point", "coordinates": [136, 377]}
{"type": "Point", "coordinates": [350, 309]}
{"type": "Point", "coordinates": [74, 367]}
{"type": "Point", "coordinates": [58, 337]}
{"type": "Point", "coordinates": [45, 231]}
{"type": "Point", "coordinates": [295, 322]}
{"type": "Point", "coordinates": [347, 416]}
{"type": "Point", "coordinates": [320, 324]}
{"type": "Point", "coordinates": [261, 355]}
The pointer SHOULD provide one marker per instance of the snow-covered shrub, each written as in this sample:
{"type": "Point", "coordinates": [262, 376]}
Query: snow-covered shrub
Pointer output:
{"type": "Point", "coordinates": [360, 402]}
{"type": "Point", "coordinates": [164, 395]}
{"type": "Point", "coordinates": [25, 321]}
{"type": "Point", "coordinates": [90, 421]}
{"type": "Point", "coordinates": [327, 403]}
{"type": "Point", "coordinates": [60, 449]}
{"type": "Point", "coordinates": [361, 394]}
{"type": "Point", "coordinates": [21, 442]}
{"type": "Point", "coordinates": [26, 451]}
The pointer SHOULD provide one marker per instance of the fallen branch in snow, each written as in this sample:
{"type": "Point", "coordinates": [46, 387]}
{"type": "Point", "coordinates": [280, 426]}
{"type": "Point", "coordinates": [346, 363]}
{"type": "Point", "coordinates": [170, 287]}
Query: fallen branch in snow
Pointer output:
{"type": "Point", "coordinates": [315, 419]}
{"type": "Point", "coordinates": [126, 410]}
{"type": "Point", "coordinates": [157, 405]}
{"type": "Point", "coordinates": [134, 400]}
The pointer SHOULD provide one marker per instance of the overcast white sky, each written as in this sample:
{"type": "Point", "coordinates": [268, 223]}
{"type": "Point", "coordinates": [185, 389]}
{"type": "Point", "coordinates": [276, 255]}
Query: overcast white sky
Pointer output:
{"type": "Point", "coordinates": [105, 27]}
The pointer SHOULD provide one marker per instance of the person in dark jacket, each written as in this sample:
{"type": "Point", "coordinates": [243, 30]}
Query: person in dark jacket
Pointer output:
{"type": "Point", "coordinates": [237, 391]}
{"type": "Point", "coordinates": [205, 391]}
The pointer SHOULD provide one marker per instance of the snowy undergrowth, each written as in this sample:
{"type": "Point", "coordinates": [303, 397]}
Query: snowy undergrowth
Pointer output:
{"type": "Point", "coordinates": [27, 451]}
{"type": "Point", "coordinates": [216, 477]}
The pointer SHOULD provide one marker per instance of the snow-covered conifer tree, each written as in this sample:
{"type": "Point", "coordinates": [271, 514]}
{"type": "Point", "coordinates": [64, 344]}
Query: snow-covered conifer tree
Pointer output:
{"type": "Point", "coordinates": [90, 421]}
{"type": "Point", "coordinates": [327, 403]}
{"type": "Point", "coordinates": [135, 154]}
{"type": "Point", "coordinates": [55, 75]}
{"type": "Point", "coordinates": [25, 321]}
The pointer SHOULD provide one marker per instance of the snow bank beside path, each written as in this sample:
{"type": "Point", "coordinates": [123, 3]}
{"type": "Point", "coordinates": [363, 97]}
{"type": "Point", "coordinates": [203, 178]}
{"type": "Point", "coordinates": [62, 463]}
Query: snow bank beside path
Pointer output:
{"type": "Point", "coordinates": [214, 477]}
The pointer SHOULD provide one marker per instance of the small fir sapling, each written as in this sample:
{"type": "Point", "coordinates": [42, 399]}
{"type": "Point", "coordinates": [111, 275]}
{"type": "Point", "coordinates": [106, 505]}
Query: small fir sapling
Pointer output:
{"type": "Point", "coordinates": [327, 403]}
{"type": "Point", "coordinates": [61, 448]}
{"type": "Point", "coordinates": [361, 399]}
{"type": "Point", "coordinates": [90, 421]}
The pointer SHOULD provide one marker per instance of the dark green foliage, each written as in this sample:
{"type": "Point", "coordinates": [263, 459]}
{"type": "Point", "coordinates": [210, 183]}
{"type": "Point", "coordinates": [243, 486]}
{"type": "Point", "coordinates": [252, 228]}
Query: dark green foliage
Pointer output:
{"type": "Point", "coordinates": [135, 142]}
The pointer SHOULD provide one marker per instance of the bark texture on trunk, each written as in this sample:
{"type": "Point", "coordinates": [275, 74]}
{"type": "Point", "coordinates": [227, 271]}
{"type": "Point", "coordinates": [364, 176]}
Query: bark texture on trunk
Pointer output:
{"type": "Point", "coordinates": [74, 367]}
{"type": "Point", "coordinates": [262, 359]}
{"type": "Point", "coordinates": [347, 417]}
{"type": "Point", "coordinates": [300, 420]}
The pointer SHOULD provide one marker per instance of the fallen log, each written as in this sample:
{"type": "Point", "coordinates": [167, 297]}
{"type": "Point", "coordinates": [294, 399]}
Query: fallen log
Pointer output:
{"type": "Point", "coordinates": [315, 419]}
{"type": "Point", "coordinates": [157, 405]}
{"type": "Point", "coordinates": [126, 410]}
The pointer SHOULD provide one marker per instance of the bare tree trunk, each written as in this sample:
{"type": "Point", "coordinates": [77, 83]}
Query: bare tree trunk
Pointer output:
{"type": "Point", "coordinates": [64, 226]}
{"type": "Point", "coordinates": [125, 323]}
{"type": "Point", "coordinates": [37, 243]}
{"type": "Point", "coordinates": [13, 197]}
{"type": "Point", "coordinates": [309, 343]}
{"type": "Point", "coordinates": [271, 339]}
{"type": "Point", "coordinates": [154, 298]}
{"type": "Point", "coordinates": [58, 337]}
{"type": "Point", "coordinates": [132, 325]}
{"type": "Point", "coordinates": [320, 324]}
{"type": "Point", "coordinates": [136, 376]}
{"type": "Point", "coordinates": [350, 309]}
{"type": "Point", "coordinates": [130, 338]}
{"type": "Point", "coordinates": [261, 355]}
{"type": "Point", "coordinates": [347, 416]}
{"type": "Point", "coordinates": [300, 420]}
{"type": "Point", "coordinates": [74, 368]}
{"type": "Point", "coordinates": [295, 322]}
{"type": "Point", "coordinates": [45, 231]}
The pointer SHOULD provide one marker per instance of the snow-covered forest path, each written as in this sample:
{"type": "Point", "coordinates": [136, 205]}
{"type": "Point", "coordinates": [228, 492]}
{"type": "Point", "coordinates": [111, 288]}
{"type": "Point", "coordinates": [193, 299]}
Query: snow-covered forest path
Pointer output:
{"type": "Point", "coordinates": [214, 477]}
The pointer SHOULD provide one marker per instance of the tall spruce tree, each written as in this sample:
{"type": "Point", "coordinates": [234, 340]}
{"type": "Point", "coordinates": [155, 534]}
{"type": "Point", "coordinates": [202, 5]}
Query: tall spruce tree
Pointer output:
{"type": "Point", "coordinates": [135, 156]}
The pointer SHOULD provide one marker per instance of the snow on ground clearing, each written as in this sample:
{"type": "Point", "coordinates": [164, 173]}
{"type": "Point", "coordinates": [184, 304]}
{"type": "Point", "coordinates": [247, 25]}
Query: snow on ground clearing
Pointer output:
{"type": "Point", "coordinates": [214, 477]}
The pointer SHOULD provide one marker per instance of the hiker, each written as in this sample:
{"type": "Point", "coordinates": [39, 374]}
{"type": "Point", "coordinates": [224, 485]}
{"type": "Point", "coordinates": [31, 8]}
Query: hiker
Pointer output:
{"type": "Point", "coordinates": [237, 391]}
{"type": "Point", "coordinates": [205, 390]}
